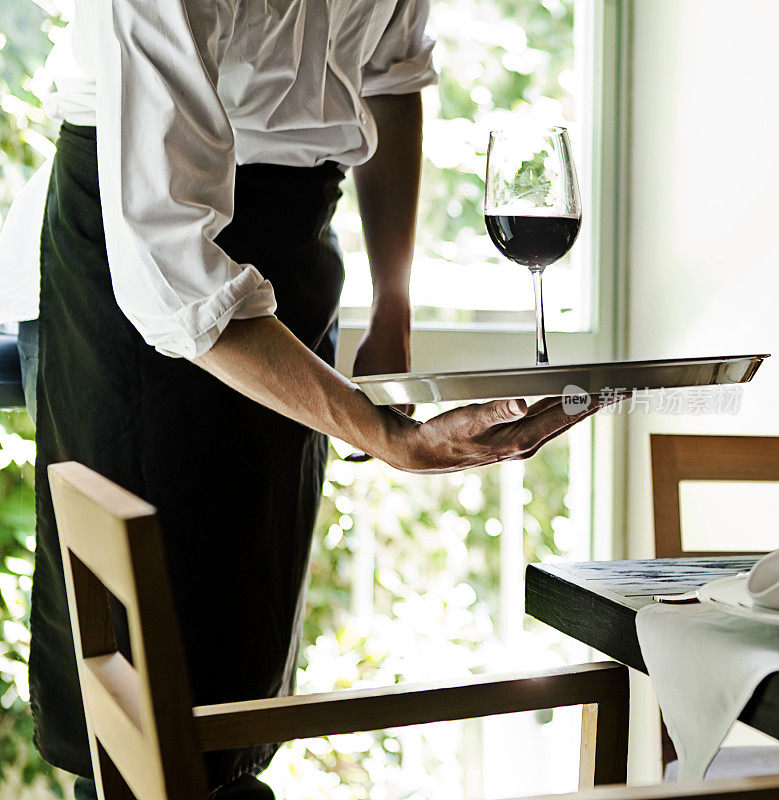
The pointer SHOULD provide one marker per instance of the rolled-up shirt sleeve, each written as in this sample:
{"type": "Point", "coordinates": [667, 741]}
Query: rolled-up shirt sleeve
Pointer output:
{"type": "Point", "coordinates": [403, 59]}
{"type": "Point", "coordinates": [166, 165]}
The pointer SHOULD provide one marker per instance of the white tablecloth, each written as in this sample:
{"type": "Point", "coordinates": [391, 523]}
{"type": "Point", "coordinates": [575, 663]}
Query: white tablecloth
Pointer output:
{"type": "Point", "coordinates": [704, 667]}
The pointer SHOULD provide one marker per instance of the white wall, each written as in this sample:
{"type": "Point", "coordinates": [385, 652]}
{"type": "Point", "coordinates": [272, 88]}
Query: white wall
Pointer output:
{"type": "Point", "coordinates": [704, 209]}
{"type": "Point", "coordinates": [704, 217]}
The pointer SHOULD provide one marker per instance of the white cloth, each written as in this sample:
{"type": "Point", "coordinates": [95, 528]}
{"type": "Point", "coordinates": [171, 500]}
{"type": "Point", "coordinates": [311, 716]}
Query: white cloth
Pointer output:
{"type": "Point", "coordinates": [180, 92]}
{"type": "Point", "coordinates": [20, 249]}
{"type": "Point", "coordinates": [763, 581]}
{"type": "Point", "coordinates": [704, 667]}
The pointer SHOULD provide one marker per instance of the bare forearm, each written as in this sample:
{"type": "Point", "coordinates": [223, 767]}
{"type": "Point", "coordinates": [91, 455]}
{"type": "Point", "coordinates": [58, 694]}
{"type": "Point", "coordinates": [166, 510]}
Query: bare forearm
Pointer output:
{"type": "Point", "coordinates": [263, 360]}
{"type": "Point", "coordinates": [388, 189]}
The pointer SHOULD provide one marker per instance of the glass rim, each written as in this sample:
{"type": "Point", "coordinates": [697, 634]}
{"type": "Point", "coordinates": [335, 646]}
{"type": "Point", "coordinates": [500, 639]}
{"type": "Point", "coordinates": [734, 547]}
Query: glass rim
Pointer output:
{"type": "Point", "coordinates": [549, 130]}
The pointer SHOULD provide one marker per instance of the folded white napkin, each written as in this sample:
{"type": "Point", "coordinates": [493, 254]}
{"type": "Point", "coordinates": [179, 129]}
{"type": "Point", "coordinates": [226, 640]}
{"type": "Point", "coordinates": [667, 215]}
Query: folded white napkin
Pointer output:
{"type": "Point", "coordinates": [704, 666]}
{"type": "Point", "coordinates": [763, 581]}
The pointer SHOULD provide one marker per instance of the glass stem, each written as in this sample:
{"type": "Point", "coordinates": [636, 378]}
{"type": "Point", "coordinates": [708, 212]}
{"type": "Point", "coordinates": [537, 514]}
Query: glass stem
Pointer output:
{"type": "Point", "coordinates": [542, 356]}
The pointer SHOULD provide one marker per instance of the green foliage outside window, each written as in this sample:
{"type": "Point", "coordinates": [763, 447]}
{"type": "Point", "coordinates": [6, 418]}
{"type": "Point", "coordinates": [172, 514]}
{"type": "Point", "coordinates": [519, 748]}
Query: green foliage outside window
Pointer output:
{"type": "Point", "coordinates": [20, 764]}
{"type": "Point", "coordinates": [492, 55]}
{"type": "Point", "coordinates": [25, 133]}
{"type": "Point", "coordinates": [497, 59]}
{"type": "Point", "coordinates": [25, 137]}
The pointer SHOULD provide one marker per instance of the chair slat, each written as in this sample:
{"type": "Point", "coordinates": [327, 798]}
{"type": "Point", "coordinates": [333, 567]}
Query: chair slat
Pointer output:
{"type": "Point", "coordinates": [128, 747]}
{"type": "Point", "coordinates": [257, 722]}
{"type": "Point", "coordinates": [117, 677]}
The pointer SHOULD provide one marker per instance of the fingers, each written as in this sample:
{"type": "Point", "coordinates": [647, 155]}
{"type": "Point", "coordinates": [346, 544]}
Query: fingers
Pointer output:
{"type": "Point", "coordinates": [542, 405]}
{"type": "Point", "coordinates": [550, 402]}
{"type": "Point", "coordinates": [553, 421]}
{"type": "Point", "coordinates": [556, 430]}
{"type": "Point", "coordinates": [499, 412]}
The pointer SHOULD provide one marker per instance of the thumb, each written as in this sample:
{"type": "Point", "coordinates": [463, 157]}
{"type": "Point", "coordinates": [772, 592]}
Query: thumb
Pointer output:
{"type": "Point", "coordinates": [500, 412]}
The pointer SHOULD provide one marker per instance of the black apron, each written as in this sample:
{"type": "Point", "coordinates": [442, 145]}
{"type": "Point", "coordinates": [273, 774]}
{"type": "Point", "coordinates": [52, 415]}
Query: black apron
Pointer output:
{"type": "Point", "coordinates": [237, 486]}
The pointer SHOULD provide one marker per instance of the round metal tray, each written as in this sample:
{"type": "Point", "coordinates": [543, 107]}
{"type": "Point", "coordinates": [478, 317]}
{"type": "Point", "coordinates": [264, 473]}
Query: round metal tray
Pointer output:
{"type": "Point", "coordinates": [433, 387]}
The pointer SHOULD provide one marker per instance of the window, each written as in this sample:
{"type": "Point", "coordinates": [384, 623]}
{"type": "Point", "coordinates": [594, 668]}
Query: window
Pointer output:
{"type": "Point", "coordinates": [497, 61]}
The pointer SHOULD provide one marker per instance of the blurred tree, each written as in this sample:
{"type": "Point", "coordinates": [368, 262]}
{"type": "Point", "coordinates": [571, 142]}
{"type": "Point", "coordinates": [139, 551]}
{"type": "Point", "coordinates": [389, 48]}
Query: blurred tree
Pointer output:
{"type": "Point", "coordinates": [19, 761]}
{"type": "Point", "coordinates": [25, 132]}
{"type": "Point", "coordinates": [25, 138]}
{"type": "Point", "coordinates": [493, 56]}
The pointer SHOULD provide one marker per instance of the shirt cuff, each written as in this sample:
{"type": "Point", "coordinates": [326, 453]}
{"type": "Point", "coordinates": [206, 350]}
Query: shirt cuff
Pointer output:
{"type": "Point", "coordinates": [404, 77]}
{"type": "Point", "coordinates": [196, 327]}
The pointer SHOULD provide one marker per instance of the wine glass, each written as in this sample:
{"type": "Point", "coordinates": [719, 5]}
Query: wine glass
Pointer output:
{"type": "Point", "coordinates": [531, 205]}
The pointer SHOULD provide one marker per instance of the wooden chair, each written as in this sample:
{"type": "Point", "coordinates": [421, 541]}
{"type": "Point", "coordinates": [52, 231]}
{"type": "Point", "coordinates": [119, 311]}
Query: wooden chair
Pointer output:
{"type": "Point", "coordinates": [702, 458]}
{"type": "Point", "coordinates": [147, 740]}
{"type": "Point", "coordinates": [678, 458]}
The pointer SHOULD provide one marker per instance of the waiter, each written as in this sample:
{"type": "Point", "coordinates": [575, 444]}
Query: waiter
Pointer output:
{"type": "Point", "coordinates": [189, 285]}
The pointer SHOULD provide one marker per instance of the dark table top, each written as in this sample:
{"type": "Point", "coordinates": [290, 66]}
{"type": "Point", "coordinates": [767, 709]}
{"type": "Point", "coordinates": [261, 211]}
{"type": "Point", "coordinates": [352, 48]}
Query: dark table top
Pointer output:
{"type": "Point", "coordinates": [596, 602]}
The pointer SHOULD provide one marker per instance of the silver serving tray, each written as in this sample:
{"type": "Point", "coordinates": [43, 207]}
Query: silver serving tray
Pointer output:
{"type": "Point", "coordinates": [434, 387]}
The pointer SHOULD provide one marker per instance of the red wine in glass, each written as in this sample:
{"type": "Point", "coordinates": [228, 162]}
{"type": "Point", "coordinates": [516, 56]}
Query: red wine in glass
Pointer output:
{"type": "Point", "coordinates": [531, 205]}
{"type": "Point", "coordinates": [533, 240]}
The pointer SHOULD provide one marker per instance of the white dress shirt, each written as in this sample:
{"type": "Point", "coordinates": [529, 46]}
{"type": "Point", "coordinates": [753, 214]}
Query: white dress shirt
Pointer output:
{"type": "Point", "coordinates": [183, 90]}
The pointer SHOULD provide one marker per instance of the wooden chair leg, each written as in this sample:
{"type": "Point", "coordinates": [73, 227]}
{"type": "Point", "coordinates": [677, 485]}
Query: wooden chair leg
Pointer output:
{"type": "Point", "coordinates": [604, 744]}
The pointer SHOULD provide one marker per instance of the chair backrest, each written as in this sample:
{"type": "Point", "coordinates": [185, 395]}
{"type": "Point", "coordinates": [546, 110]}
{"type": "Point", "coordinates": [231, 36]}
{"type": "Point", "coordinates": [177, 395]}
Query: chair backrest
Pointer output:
{"type": "Point", "coordinates": [678, 458]}
{"type": "Point", "coordinates": [139, 715]}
